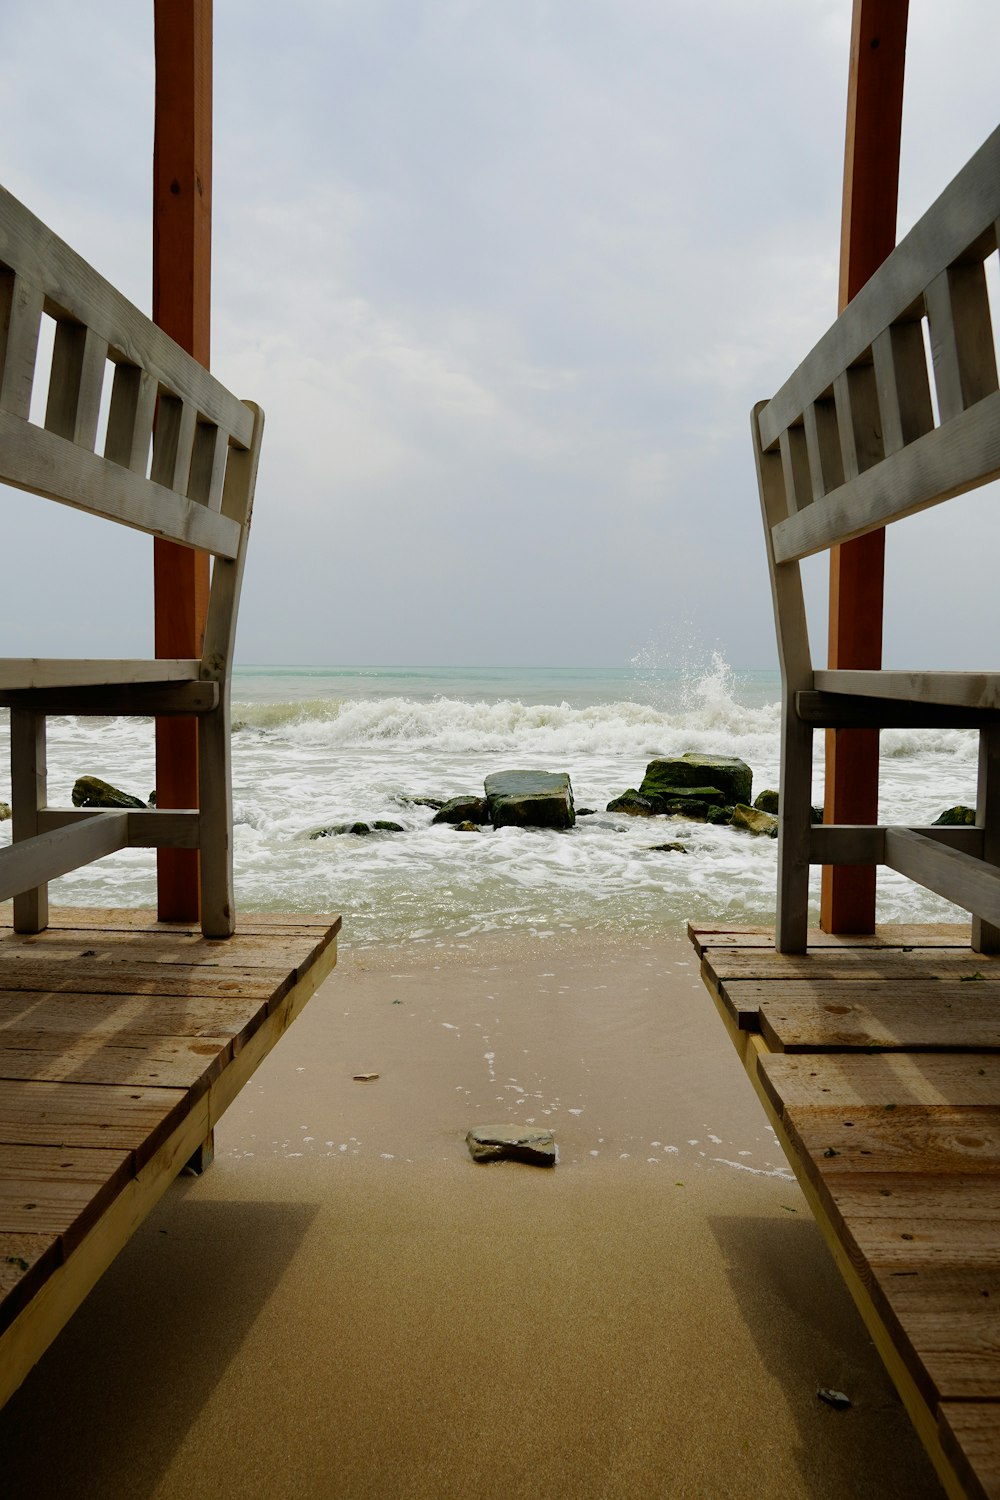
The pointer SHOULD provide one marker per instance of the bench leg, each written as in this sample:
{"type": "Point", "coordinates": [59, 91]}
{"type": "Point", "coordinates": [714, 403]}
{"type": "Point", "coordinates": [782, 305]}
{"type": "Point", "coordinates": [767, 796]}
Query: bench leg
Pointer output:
{"type": "Point", "coordinates": [28, 781]}
{"type": "Point", "coordinates": [216, 837]}
{"type": "Point", "coordinates": [203, 1158]}
{"type": "Point", "coordinates": [985, 936]}
{"type": "Point", "coordinates": [794, 824]}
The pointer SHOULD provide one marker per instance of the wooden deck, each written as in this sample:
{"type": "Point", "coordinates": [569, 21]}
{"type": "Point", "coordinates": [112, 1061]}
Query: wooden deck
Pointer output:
{"type": "Point", "coordinates": [122, 1042]}
{"type": "Point", "coordinates": [878, 1063]}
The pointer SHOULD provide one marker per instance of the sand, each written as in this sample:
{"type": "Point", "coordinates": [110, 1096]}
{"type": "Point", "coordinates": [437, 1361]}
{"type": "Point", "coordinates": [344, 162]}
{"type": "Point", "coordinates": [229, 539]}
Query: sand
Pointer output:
{"type": "Point", "coordinates": [346, 1305]}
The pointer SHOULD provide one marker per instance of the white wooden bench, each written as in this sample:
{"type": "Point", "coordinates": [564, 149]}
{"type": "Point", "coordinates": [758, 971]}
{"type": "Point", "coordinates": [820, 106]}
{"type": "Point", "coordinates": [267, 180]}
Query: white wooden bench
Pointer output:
{"type": "Point", "coordinates": [180, 462]}
{"type": "Point", "coordinates": [849, 444]}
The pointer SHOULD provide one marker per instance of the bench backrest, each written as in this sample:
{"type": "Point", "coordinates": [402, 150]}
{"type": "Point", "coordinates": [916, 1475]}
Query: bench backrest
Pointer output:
{"type": "Point", "coordinates": [180, 451]}
{"type": "Point", "coordinates": [849, 442]}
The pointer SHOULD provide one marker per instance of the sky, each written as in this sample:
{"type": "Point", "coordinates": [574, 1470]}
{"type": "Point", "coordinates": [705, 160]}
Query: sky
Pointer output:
{"type": "Point", "coordinates": [506, 277]}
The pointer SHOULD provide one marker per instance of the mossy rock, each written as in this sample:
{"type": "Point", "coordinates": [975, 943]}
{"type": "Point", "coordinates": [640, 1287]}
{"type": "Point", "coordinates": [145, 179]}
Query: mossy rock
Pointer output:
{"type": "Point", "coordinates": [633, 803]}
{"type": "Point", "coordinates": [91, 791]}
{"type": "Point", "coordinates": [767, 801]}
{"type": "Point", "coordinates": [753, 820]}
{"type": "Point", "coordinates": [673, 848]}
{"type": "Point", "coordinates": [386, 825]}
{"type": "Point", "coordinates": [360, 830]}
{"type": "Point", "coordinates": [462, 810]}
{"type": "Point", "coordinates": [688, 807]}
{"type": "Point", "coordinates": [5, 812]}
{"type": "Point", "coordinates": [720, 816]}
{"type": "Point", "coordinates": [723, 773]}
{"type": "Point", "coordinates": [955, 816]}
{"type": "Point", "coordinates": [530, 799]}
{"type": "Point", "coordinates": [467, 827]}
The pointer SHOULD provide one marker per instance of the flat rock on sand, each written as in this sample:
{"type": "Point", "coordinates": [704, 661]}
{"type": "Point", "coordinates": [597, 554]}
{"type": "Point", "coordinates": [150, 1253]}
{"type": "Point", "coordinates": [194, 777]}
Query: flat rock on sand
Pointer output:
{"type": "Point", "coordinates": [512, 1143]}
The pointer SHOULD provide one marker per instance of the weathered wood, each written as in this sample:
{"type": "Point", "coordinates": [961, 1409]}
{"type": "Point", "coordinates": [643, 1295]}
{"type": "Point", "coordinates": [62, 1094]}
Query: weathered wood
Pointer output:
{"type": "Point", "coordinates": [137, 700]}
{"type": "Point", "coordinates": [958, 877]}
{"type": "Point", "coordinates": [94, 1156]}
{"type": "Point", "coordinates": [73, 288]}
{"type": "Point", "coordinates": [151, 829]}
{"type": "Point", "coordinates": [853, 844]}
{"type": "Point", "coordinates": [978, 691]}
{"type": "Point", "coordinates": [840, 710]}
{"type": "Point", "coordinates": [140, 920]}
{"type": "Point", "coordinates": [962, 217]}
{"type": "Point", "coordinates": [842, 1015]}
{"type": "Point", "coordinates": [951, 459]}
{"type": "Point", "coordinates": [20, 321]}
{"type": "Point", "coordinates": [970, 1432]}
{"type": "Point", "coordinates": [986, 935]}
{"type": "Point", "coordinates": [19, 673]}
{"type": "Point", "coordinates": [29, 781]}
{"type": "Point", "coordinates": [35, 861]}
{"type": "Point", "coordinates": [849, 963]}
{"type": "Point", "coordinates": [45, 464]}
{"type": "Point", "coordinates": [886, 1082]}
{"type": "Point", "coordinates": [886, 935]}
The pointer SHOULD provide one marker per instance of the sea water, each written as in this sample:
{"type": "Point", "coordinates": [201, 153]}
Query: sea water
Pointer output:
{"type": "Point", "coordinates": [315, 746]}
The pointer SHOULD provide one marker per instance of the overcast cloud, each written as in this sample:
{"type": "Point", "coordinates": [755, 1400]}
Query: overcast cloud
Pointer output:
{"type": "Point", "coordinates": [506, 276]}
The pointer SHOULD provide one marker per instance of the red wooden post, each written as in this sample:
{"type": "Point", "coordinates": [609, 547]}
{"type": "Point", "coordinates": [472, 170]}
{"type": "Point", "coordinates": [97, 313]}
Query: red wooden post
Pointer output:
{"type": "Point", "coordinates": [182, 265]}
{"type": "Point", "coordinates": [868, 234]}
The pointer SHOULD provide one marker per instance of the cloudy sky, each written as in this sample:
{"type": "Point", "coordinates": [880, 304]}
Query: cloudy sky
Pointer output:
{"type": "Point", "coordinates": [506, 276]}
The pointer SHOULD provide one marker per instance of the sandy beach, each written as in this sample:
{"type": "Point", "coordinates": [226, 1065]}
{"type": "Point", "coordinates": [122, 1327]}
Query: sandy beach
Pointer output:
{"type": "Point", "coordinates": [346, 1305]}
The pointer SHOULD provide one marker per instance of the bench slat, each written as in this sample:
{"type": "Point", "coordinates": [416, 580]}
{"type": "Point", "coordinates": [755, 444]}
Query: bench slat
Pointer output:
{"type": "Point", "coordinates": [945, 462]}
{"type": "Point", "coordinates": [950, 873]}
{"type": "Point", "coordinates": [864, 843]}
{"type": "Point", "coordinates": [967, 208]}
{"type": "Point", "coordinates": [73, 287]}
{"type": "Point", "coordinates": [152, 828]}
{"type": "Point", "coordinates": [22, 672]}
{"type": "Point", "coordinates": [34, 861]}
{"type": "Point", "coordinates": [36, 460]}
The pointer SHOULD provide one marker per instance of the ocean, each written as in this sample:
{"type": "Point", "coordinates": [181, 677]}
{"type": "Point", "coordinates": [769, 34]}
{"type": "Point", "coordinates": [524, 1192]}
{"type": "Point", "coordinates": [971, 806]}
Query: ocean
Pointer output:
{"type": "Point", "coordinates": [314, 746]}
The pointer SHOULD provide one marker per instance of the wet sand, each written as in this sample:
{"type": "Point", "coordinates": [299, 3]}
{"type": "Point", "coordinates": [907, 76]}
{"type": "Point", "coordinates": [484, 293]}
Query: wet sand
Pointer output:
{"type": "Point", "coordinates": [345, 1305]}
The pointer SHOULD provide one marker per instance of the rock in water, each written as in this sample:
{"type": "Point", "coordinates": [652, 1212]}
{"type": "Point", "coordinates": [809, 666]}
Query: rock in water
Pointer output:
{"type": "Point", "coordinates": [91, 791]}
{"type": "Point", "coordinates": [767, 801]}
{"type": "Point", "coordinates": [752, 820]}
{"type": "Point", "coordinates": [632, 803]}
{"type": "Point", "coordinates": [530, 799]}
{"type": "Point", "coordinates": [5, 812]}
{"type": "Point", "coordinates": [726, 773]}
{"type": "Point", "coordinates": [955, 816]}
{"type": "Point", "coordinates": [463, 810]}
{"type": "Point", "coordinates": [512, 1143]}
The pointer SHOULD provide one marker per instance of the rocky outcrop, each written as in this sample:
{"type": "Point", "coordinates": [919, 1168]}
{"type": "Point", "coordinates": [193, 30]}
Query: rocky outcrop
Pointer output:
{"type": "Point", "coordinates": [530, 799]}
{"type": "Point", "coordinates": [753, 820]}
{"type": "Point", "coordinates": [360, 830]}
{"type": "Point", "coordinates": [5, 812]}
{"type": "Point", "coordinates": [463, 810]}
{"type": "Point", "coordinates": [512, 1143]}
{"type": "Point", "coordinates": [767, 801]}
{"type": "Point", "coordinates": [691, 772]}
{"type": "Point", "coordinates": [91, 791]}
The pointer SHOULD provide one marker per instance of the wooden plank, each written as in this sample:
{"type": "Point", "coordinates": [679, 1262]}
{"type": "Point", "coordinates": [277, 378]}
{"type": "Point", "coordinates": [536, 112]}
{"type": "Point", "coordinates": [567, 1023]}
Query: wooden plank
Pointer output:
{"type": "Point", "coordinates": [951, 459]}
{"type": "Point", "coordinates": [153, 1061]}
{"type": "Point", "coordinates": [58, 1189]}
{"type": "Point", "coordinates": [971, 690]}
{"type": "Point", "coordinates": [20, 321]}
{"type": "Point", "coordinates": [140, 700]}
{"type": "Point", "coordinates": [147, 979]}
{"type": "Point", "coordinates": [830, 1015]}
{"type": "Point", "coordinates": [85, 919]}
{"type": "Point", "coordinates": [187, 951]}
{"type": "Point", "coordinates": [37, 672]}
{"type": "Point", "coordinates": [848, 710]}
{"type": "Point", "coordinates": [888, 1081]}
{"type": "Point", "coordinates": [886, 935]}
{"type": "Point", "coordinates": [721, 964]}
{"type": "Point", "coordinates": [113, 1116]}
{"type": "Point", "coordinates": [73, 287]}
{"type": "Point", "coordinates": [959, 877]}
{"type": "Point", "coordinates": [961, 337]}
{"type": "Point", "coordinates": [967, 209]}
{"type": "Point", "coordinates": [933, 1151]}
{"type": "Point", "coordinates": [105, 1015]}
{"type": "Point", "coordinates": [26, 865]}
{"type": "Point", "coordinates": [147, 829]}
{"type": "Point", "coordinates": [45, 464]}
{"type": "Point", "coordinates": [26, 1261]}
{"type": "Point", "coordinates": [986, 935]}
{"type": "Point", "coordinates": [853, 844]}
{"type": "Point", "coordinates": [130, 418]}
{"type": "Point", "coordinates": [79, 360]}
{"type": "Point", "coordinates": [29, 782]}
{"type": "Point", "coordinates": [970, 1433]}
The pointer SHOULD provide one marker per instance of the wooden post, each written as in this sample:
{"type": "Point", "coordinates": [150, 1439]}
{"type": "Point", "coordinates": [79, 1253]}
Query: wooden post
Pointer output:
{"type": "Point", "coordinates": [182, 263]}
{"type": "Point", "coordinates": [868, 234]}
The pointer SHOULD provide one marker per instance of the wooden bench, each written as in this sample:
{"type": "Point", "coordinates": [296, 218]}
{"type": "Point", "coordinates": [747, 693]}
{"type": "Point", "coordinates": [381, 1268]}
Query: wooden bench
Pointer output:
{"type": "Point", "coordinates": [179, 462]}
{"type": "Point", "coordinates": [849, 444]}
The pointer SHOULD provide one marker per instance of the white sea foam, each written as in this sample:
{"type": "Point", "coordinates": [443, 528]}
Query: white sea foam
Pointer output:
{"type": "Point", "coordinates": [319, 747]}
